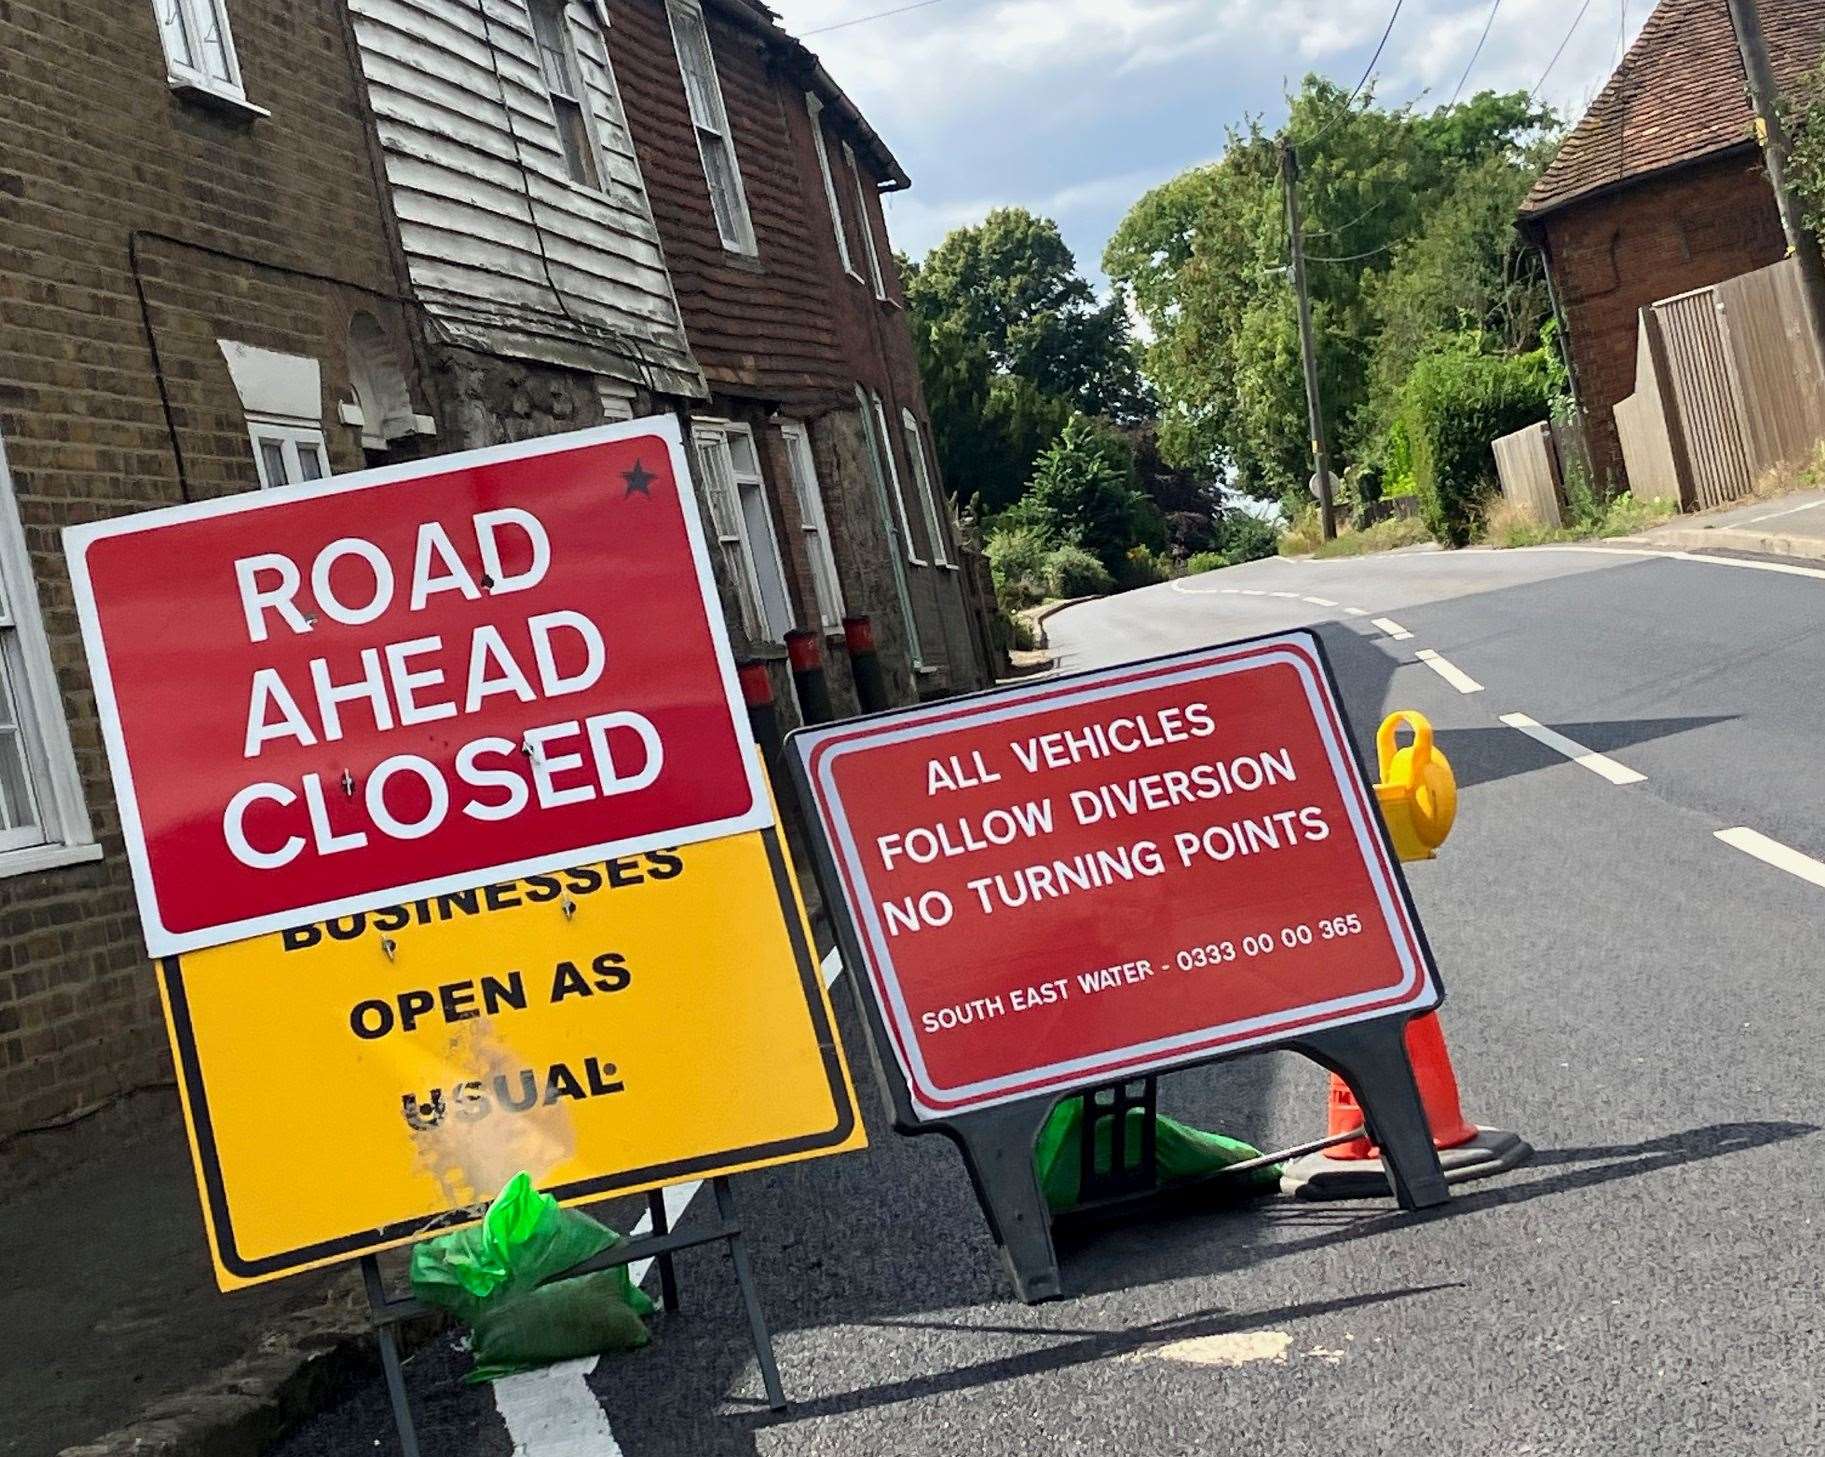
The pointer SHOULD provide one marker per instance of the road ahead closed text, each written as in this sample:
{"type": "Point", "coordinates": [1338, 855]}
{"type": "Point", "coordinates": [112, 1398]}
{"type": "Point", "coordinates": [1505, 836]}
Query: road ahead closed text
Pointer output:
{"type": "Point", "coordinates": [1131, 869]}
{"type": "Point", "coordinates": [318, 702]}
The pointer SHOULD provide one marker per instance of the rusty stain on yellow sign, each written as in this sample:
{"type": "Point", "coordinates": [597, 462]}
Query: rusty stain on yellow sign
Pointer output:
{"type": "Point", "coordinates": [355, 1085]}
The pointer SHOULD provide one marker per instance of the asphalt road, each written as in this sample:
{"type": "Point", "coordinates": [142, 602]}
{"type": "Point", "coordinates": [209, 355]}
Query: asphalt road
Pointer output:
{"type": "Point", "coordinates": [1635, 995]}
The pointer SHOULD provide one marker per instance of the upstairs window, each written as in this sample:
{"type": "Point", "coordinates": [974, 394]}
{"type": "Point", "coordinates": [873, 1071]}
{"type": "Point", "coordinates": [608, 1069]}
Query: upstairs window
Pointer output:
{"type": "Point", "coordinates": [816, 108]}
{"type": "Point", "coordinates": [824, 581]}
{"type": "Point", "coordinates": [928, 491]}
{"type": "Point", "coordinates": [710, 120]}
{"type": "Point", "coordinates": [558, 63]}
{"type": "Point", "coordinates": [199, 48]}
{"type": "Point", "coordinates": [735, 495]}
{"type": "Point", "coordinates": [866, 223]}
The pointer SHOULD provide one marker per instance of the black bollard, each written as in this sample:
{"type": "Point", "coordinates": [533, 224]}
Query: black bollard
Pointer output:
{"type": "Point", "coordinates": [865, 664]}
{"type": "Point", "coordinates": [806, 650]}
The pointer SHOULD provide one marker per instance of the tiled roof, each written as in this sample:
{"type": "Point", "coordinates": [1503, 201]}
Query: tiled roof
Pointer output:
{"type": "Point", "coordinates": [1677, 96]}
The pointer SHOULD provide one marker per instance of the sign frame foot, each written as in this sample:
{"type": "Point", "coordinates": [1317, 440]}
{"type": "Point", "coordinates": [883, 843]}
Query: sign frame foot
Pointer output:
{"type": "Point", "coordinates": [1372, 1058]}
{"type": "Point", "coordinates": [997, 1146]}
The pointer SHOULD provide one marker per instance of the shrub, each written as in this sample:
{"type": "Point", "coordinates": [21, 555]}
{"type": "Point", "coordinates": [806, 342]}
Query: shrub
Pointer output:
{"type": "Point", "coordinates": [1017, 560]}
{"type": "Point", "coordinates": [1142, 567]}
{"type": "Point", "coordinates": [1245, 537]}
{"type": "Point", "coordinates": [1397, 531]}
{"type": "Point", "coordinates": [1079, 495]}
{"type": "Point", "coordinates": [1453, 405]}
{"type": "Point", "coordinates": [1070, 571]}
{"type": "Point", "coordinates": [1304, 533]}
{"type": "Point", "coordinates": [1205, 561]}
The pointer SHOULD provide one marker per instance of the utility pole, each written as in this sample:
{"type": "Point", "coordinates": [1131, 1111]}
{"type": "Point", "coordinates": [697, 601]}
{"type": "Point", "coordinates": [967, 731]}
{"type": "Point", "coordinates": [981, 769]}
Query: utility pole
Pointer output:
{"type": "Point", "coordinates": [1314, 403]}
{"type": "Point", "coordinates": [1772, 133]}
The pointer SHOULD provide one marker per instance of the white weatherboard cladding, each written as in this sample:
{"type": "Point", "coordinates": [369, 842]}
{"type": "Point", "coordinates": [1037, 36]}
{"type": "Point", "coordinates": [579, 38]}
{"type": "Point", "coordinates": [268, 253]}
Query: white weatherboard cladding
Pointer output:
{"type": "Point", "coordinates": [448, 127]}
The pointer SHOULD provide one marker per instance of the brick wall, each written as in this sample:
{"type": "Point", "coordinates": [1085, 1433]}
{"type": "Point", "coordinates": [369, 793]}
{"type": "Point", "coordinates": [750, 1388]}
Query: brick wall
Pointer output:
{"type": "Point", "coordinates": [1614, 255]}
{"type": "Point", "coordinates": [97, 146]}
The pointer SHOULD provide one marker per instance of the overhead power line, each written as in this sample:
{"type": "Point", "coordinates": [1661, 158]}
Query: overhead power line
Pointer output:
{"type": "Point", "coordinates": [1368, 71]}
{"type": "Point", "coordinates": [1583, 11]}
{"type": "Point", "coordinates": [1482, 40]}
{"type": "Point", "coordinates": [864, 19]}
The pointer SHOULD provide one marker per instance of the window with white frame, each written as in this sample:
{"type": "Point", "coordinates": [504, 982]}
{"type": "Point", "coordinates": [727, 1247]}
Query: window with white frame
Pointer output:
{"type": "Point", "coordinates": [816, 108]}
{"type": "Point", "coordinates": [43, 821]}
{"type": "Point", "coordinates": [818, 548]}
{"type": "Point", "coordinates": [735, 494]}
{"type": "Point", "coordinates": [288, 451]}
{"type": "Point", "coordinates": [866, 223]}
{"type": "Point", "coordinates": [558, 64]}
{"type": "Point", "coordinates": [885, 446]}
{"type": "Point", "coordinates": [710, 120]}
{"type": "Point", "coordinates": [928, 490]}
{"type": "Point", "coordinates": [899, 538]}
{"type": "Point", "coordinates": [199, 47]}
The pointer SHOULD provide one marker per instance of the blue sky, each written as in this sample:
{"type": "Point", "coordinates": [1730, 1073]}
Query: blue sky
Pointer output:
{"type": "Point", "coordinates": [1074, 108]}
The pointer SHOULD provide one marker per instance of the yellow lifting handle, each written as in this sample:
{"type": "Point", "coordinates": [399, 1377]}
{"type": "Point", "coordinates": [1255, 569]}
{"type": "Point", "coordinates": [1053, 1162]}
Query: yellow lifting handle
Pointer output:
{"type": "Point", "coordinates": [1418, 792]}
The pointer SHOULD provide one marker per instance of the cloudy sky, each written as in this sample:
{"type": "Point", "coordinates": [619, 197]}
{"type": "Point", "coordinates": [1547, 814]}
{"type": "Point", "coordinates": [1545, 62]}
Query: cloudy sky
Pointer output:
{"type": "Point", "coordinates": [1075, 107]}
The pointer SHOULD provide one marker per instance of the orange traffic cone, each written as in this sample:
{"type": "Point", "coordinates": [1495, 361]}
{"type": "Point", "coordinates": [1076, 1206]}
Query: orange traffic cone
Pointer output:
{"type": "Point", "coordinates": [1354, 1170]}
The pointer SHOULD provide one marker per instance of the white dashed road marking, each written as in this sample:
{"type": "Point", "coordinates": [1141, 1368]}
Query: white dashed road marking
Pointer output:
{"type": "Point", "coordinates": [1357, 611]}
{"type": "Point", "coordinates": [1393, 629]}
{"type": "Point", "coordinates": [553, 1412]}
{"type": "Point", "coordinates": [1449, 671]}
{"type": "Point", "coordinates": [1319, 601]}
{"type": "Point", "coordinates": [1773, 852]}
{"type": "Point", "coordinates": [1576, 752]}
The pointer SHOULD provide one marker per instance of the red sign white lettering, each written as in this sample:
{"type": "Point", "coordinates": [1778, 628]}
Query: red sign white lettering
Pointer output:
{"type": "Point", "coordinates": [360, 691]}
{"type": "Point", "coordinates": [1087, 879]}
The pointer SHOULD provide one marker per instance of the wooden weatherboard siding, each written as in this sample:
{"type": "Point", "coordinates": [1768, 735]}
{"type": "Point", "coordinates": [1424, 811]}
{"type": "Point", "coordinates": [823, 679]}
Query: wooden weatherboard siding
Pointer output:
{"type": "Point", "coordinates": [760, 326]}
{"type": "Point", "coordinates": [565, 276]}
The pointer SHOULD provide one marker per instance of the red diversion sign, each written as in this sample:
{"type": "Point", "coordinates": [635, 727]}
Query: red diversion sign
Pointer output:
{"type": "Point", "coordinates": [1091, 878]}
{"type": "Point", "coordinates": [361, 691]}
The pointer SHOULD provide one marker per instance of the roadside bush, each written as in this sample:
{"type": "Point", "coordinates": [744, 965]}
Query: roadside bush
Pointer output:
{"type": "Point", "coordinates": [1142, 567]}
{"type": "Point", "coordinates": [1454, 403]}
{"type": "Point", "coordinates": [1070, 571]}
{"type": "Point", "coordinates": [1304, 532]}
{"type": "Point", "coordinates": [1245, 537]}
{"type": "Point", "coordinates": [1078, 494]}
{"type": "Point", "coordinates": [1017, 560]}
{"type": "Point", "coordinates": [1205, 561]}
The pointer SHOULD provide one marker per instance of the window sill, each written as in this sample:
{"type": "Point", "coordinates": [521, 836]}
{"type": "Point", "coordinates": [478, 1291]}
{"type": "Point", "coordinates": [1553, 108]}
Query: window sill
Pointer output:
{"type": "Point", "coordinates": [46, 857]}
{"type": "Point", "coordinates": [742, 259]}
{"type": "Point", "coordinates": [891, 303]}
{"type": "Point", "coordinates": [917, 561]}
{"type": "Point", "coordinates": [229, 103]}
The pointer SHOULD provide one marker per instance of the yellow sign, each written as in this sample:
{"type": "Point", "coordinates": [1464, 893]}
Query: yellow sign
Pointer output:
{"type": "Point", "coordinates": [359, 1084]}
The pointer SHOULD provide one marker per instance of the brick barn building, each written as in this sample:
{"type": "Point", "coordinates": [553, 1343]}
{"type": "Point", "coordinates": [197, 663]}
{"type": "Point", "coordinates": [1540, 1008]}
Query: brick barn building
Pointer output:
{"type": "Point", "coordinates": [1660, 190]}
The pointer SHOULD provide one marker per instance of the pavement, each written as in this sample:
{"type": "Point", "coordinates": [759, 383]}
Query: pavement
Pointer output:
{"type": "Point", "coordinates": [1627, 921]}
{"type": "Point", "coordinates": [1790, 526]}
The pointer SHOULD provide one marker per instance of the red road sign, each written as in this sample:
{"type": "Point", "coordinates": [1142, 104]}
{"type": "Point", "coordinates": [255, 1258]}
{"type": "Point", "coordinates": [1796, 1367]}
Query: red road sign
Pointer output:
{"type": "Point", "coordinates": [372, 689]}
{"type": "Point", "coordinates": [1091, 878]}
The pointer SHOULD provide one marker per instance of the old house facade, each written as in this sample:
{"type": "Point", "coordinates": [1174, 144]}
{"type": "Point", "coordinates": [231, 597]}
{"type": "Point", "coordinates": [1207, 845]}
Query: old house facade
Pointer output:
{"type": "Point", "coordinates": [1659, 190]}
{"type": "Point", "coordinates": [253, 242]}
{"type": "Point", "coordinates": [197, 295]}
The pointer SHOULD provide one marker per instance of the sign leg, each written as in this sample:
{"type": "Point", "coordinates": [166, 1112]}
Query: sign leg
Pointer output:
{"type": "Point", "coordinates": [1372, 1058]}
{"type": "Point", "coordinates": [668, 1272]}
{"type": "Point", "coordinates": [750, 1297]}
{"type": "Point", "coordinates": [388, 1337]}
{"type": "Point", "coordinates": [998, 1150]}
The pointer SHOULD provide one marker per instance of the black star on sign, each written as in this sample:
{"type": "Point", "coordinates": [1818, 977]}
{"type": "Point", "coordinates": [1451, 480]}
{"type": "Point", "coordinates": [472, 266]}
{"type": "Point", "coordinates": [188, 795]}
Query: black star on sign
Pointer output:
{"type": "Point", "coordinates": [639, 480]}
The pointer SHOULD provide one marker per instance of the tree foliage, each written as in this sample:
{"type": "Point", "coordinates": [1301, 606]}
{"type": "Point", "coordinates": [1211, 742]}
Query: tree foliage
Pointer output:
{"type": "Point", "coordinates": [1406, 236]}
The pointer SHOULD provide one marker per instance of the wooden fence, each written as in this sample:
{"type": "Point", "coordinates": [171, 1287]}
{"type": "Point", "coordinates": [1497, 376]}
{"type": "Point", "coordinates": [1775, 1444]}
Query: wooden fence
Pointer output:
{"type": "Point", "coordinates": [1528, 464]}
{"type": "Point", "coordinates": [1728, 386]}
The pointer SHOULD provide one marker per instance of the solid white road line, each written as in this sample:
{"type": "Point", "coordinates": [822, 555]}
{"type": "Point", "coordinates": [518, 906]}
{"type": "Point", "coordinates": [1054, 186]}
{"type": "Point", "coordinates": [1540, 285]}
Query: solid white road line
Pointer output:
{"type": "Point", "coordinates": [1784, 568]}
{"type": "Point", "coordinates": [1790, 511]}
{"type": "Point", "coordinates": [1576, 752]}
{"type": "Point", "coordinates": [553, 1413]}
{"type": "Point", "coordinates": [1451, 673]}
{"type": "Point", "coordinates": [1319, 601]}
{"type": "Point", "coordinates": [1393, 629]}
{"type": "Point", "coordinates": [1773, 852]}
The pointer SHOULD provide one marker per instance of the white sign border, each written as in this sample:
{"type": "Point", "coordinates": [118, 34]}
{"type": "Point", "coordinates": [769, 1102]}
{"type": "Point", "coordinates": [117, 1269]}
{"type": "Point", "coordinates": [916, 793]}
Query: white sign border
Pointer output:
{"type": "Point", "coordinates": [161, 941]}
{"type": "Point", "coordinates": [1160, 1053]}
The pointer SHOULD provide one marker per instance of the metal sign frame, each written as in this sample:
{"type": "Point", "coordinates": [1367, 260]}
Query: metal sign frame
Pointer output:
{"type": "Point", "coordinates": [997, 1141]}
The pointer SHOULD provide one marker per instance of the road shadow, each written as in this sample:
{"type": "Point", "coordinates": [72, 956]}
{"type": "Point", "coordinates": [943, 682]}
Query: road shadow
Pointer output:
{"type": "Point", "coordinates": [1487, 755]}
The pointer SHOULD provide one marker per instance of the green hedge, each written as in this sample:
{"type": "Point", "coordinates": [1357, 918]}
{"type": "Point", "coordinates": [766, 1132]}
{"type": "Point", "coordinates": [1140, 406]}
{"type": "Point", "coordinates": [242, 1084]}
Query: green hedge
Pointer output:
{"type": "Point", "coordinates": [1454, 405]}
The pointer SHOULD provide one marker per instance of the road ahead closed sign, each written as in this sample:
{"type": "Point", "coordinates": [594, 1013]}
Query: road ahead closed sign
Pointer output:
{"type": "Point", "coordinates": [1089, 878]}
{"type": "Point", "coordinates": [354, 1084]}
{"type": "Point", "coordinates": [331, 697]}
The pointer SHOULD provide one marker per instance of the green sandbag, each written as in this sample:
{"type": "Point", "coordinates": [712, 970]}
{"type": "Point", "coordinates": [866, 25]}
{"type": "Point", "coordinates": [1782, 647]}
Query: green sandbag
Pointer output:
{"type": "Point", "coordinates": [587, 1316]}
{"type": "Point", "coordinates": [1182, 1154]}
{"type": "Point", "coordinates": [492, 1278]}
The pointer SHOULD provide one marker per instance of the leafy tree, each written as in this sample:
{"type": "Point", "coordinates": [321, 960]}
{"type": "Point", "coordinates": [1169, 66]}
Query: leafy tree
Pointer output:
{"type": "Point", "coordinates": [1010, 286]}
{"type": "Point", "coordinates": [1078, 495]}
{"type": "Point", "coordinates": [1204, 256]}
